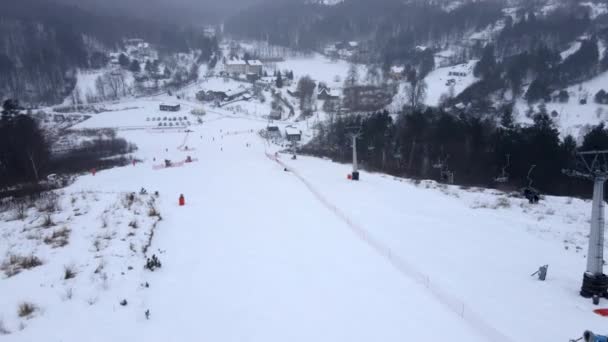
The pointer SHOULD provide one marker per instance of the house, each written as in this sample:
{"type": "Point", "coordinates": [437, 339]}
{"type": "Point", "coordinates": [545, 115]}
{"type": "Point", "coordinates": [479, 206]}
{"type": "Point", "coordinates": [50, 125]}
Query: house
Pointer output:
{"type": "Point", "coordinates": [241, 66]}
{"type": "Point", "coordinates": [293, 134]}
{"type": "Point", "coordinates": [169, 107]}
{"type": "Point", "coordinates": [397, 72]}
{"type": "Point", "coordinates": [326, 94]}
{"type": "Point", "coordinates": [276, 113]}
{"type": "Point", "coordinates": [234, 94]}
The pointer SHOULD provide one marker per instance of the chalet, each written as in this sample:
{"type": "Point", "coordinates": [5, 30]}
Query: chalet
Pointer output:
{"type": "Point", "coordinates": [326, 94]}
{"type": "Point", "coordinates": [293, 134]}
{"type": "Point", "coordinates": [169, 107]}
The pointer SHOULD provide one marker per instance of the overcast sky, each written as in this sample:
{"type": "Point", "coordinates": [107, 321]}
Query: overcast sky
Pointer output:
{"type": "Point", "coordinates": [171, 10]}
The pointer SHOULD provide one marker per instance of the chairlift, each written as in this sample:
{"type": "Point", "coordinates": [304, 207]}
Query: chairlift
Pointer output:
{"type": "Point", "coordinates": [504, 176]}
{"type": "Point", "coordinates": [438, 165]}
{"type": "Point", "coordinates": [530, 193]}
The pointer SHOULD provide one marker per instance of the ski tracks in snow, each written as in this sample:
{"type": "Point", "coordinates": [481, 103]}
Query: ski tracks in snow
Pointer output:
{"type": "Point", "coordinates": [451, 302]}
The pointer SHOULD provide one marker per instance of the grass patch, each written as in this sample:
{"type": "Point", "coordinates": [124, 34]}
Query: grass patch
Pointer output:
{"type": "Point", "coordinates": [15, 264]}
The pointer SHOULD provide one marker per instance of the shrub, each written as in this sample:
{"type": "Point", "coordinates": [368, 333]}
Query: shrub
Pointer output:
{"type": "Point", "coordinates": [26, 309]}
{"type": "Point", "coordinates": [153, 263]}
{"type": "Point", "coordinates": [69, 272]}
{"type": "Point", "coordinates": [47, 221]}
{"type": "Point", "coordinates": [48, 202]}
{"type": "Point", "coordinates": [58, 238]}
{"type": "Point", "coordinates": [15, 264]}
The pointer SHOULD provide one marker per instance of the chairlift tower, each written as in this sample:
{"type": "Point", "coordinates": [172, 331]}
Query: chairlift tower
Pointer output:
{"type": "Point", "coordinates": [355, 133]}
{"type": "Point", "coordinates": [595, 282]}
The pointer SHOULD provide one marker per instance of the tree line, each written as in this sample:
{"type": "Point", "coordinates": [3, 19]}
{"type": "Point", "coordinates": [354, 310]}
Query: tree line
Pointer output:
{"type": "Point", "coordinates": [46, 42]}
{"type": "Point", "coordinates": [479, 151]}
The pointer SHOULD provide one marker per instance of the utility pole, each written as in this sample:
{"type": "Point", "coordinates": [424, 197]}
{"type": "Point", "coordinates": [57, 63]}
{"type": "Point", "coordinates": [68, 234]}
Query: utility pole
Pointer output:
{"type": "Point", "coordinates": [595, 282]}
{"type": "Point", "coordinates": [355, 134]}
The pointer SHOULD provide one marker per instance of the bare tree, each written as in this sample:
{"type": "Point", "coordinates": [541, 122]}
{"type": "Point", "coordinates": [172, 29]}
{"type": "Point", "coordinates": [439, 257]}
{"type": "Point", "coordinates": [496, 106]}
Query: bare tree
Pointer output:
{"type": "Point", "coordinates": [306, 89]}
{"type": "Point", "coordinates": [416, 93]}
{"type": "Point", "coordinates": [352, 77]}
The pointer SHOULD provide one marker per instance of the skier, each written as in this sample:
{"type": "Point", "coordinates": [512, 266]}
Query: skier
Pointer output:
{"type": "Point", "coordinates": [588, 336]}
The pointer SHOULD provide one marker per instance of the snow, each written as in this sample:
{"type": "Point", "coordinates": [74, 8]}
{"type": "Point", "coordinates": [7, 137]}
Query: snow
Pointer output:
{"type": "Point", "coordinates": [261, 254]}
{"type": "Point", "coordinates": [320, 69]}
{"type": "Point", "coordinates": [437, 81]}
{"type": "Point", "coordinates": [573, 118]}
{"type": "Point", "coordinates": [595, 9]}
{"type": "Point", "coordinates": [572, 49]}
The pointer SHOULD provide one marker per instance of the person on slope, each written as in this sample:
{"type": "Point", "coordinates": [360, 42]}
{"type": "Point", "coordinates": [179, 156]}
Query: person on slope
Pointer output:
{"type": "Point", "coordinates": [588, 336]}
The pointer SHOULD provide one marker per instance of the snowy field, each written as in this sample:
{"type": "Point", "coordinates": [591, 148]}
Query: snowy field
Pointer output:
{"type": "Point", "coordinates": [262, 254]}
{"type": "Point", "coordinates": [437, 81]}
{"type": "Point", "coordinates": [321, 69]}
{"type": "Point", "coordinates": [573, 117]}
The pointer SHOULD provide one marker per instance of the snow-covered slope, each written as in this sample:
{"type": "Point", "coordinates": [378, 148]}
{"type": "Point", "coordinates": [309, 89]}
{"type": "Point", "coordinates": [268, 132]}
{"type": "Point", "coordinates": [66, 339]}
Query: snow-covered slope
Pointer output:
{"type": "Point", "coordinates": [263, 254]}
{"type": "Point", "coordinates": [440, 80]}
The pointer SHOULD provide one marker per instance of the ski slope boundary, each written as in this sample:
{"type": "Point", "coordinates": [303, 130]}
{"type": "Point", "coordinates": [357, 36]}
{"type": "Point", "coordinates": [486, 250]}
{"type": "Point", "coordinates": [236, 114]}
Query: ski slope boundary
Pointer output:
{"type": "Point", "coordinates": [455, 305]}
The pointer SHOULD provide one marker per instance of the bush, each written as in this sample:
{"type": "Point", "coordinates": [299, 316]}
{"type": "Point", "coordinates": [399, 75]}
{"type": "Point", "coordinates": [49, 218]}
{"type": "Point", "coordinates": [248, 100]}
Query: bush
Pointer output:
{"type": "Point", "coordinates": [47, 221]}
{"type": "Point", "coordinates": [69, 272]}
{"type": "Point", "coordinates": [153, 263]}
{"type": "Point", "coordinates": [58, 238]}
{"type": "Point", "coordinates": [48, 202]}
{"type": "Point", "coordinates": [15, 264]}
{"type": "Point", "coordinates": [26, 309]}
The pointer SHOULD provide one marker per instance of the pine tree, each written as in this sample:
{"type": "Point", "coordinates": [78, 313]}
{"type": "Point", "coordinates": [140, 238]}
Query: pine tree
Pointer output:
{"type": "Point", "coordinates": [135, 67]}
{"type": "Point", "coordinates": [123, 60]}
{"type": "Point", "coordinates": [279, 80]}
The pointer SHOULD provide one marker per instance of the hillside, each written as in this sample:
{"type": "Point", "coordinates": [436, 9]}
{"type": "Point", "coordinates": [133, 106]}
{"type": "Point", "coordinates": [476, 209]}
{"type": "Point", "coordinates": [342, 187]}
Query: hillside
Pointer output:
{"type": "Point", "coordinates": [268, 250]}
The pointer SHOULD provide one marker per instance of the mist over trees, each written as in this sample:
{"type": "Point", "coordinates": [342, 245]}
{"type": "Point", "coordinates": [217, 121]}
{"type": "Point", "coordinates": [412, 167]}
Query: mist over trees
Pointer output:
{"type": "Point", "coordinates": [46, 42]}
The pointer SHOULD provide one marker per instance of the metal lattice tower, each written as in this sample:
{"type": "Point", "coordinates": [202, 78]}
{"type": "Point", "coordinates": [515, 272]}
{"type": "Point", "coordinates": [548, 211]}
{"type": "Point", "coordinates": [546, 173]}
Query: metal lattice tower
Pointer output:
{"type": "Point", "coordinates": [594, 168]}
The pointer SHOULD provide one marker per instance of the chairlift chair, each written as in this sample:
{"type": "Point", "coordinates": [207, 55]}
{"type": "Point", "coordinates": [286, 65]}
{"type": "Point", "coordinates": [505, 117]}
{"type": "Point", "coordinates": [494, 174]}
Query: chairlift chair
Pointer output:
{"type": "Point", "coordinates": [504, 176]}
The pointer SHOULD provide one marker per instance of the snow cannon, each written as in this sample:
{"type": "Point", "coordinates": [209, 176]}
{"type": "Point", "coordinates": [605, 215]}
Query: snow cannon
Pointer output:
{"type": "Point", "coordinates": [182, 200]}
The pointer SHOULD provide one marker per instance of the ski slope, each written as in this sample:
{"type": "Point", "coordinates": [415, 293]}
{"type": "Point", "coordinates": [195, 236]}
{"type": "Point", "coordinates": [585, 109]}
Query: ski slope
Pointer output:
{"type": "Point", "coordinates": [263, 254]}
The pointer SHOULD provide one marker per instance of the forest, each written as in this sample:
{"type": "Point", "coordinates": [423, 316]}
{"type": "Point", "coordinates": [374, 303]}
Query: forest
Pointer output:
{"type": "Point", "coordinates": [43, 43]}
{"type": "Point", "coordinates": [424, 144]}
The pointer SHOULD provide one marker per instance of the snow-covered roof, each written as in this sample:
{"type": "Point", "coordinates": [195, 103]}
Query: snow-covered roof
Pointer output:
{"type": "Point", "coordinates": [235, 62]}
{"type": "Point", "coordinates": [353, 44]}
{"type": "Point", "coordinates": [327, 91]}
{"type": "Point", "coordinates": [255, 62]}
{"type": "Point", "coordinates": [289, 130]}
{"type": "Point", "coordinates": [397, 69]}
